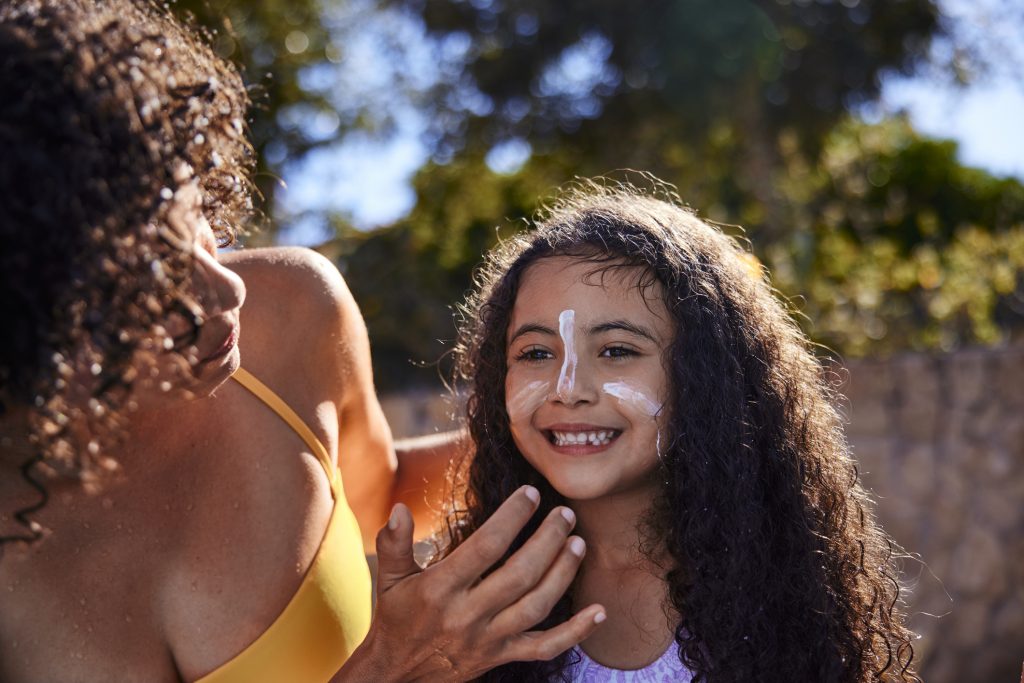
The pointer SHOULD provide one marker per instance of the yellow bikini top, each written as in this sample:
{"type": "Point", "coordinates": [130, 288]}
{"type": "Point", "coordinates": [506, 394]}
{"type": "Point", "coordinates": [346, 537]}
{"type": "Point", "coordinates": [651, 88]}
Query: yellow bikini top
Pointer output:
{"type": "Point", "coordinates": [330, 613]}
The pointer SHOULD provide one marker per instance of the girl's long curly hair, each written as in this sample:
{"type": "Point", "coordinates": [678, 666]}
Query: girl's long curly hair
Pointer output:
{"type": "Point", "coordinates": [779, 570]}
{"type": "Point", "coordinates": [102, 103]}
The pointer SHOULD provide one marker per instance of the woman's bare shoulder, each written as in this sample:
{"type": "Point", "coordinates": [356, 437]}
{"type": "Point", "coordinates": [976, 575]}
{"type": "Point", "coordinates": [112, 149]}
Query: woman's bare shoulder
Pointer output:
{"type": "Point", "coordinates": [296, 303]}
{"type": "Point", "coordinates": [298, 277]}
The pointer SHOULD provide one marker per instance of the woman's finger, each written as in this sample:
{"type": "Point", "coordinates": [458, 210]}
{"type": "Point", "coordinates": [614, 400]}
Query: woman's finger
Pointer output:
{"type": "Point", "coordinates": [395, 559]}
{"type": "Point", "coordinates": [535, 605]}
{"type": "Point", "coordinates": [544, 645]}
{"type": "Point", "coordinates": [487, 545]}
{"type": "Point", "coordinates": [521, 572]}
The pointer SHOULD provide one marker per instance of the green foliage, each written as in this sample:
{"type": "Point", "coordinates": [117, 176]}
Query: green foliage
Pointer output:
{"type": "Point", "coordinates": [888, 243]}
{"type": "Point", "coordinates": [272, 42]}
{"type": "Point", "coordinates": [594, 72]}
{"type": "Point", "coordinates": [895, 245]}
{"type": "Point", "coordinates": [882, 239]}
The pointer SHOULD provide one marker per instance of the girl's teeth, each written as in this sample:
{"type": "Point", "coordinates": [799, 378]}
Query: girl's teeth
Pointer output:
{"type": "Point", "coordinates": [592, 438]}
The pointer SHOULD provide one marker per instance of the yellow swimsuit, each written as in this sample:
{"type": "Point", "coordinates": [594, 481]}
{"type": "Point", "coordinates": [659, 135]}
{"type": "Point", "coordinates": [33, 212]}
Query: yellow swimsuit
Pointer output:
{"type": "Point", "coordinates": [329, 615]}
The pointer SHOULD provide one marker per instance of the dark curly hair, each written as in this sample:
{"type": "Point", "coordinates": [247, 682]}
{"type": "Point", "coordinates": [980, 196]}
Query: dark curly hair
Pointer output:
{"type": "Point", "coordinates": [102, 104]}
{"type": "Point", "coordinates": [779, 571]}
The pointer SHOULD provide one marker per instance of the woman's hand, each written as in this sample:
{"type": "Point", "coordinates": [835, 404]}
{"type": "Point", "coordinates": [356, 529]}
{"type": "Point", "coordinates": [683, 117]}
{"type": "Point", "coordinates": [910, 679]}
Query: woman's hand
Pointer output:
{"type": "Point", "coordinates": [444, 623]}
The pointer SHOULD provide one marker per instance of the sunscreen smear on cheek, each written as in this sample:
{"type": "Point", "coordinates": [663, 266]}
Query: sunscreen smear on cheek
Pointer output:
{"type": "Point", "coordinates": [567, 376]}
{"type": "Point", "coordinates": [527, 399]}
{"type": "Point", "coordinates": [632, 397]}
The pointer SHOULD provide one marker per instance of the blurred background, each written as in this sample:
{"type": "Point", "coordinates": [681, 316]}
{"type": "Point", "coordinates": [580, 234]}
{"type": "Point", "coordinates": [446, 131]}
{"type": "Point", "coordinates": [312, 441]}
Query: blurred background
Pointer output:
{"type": "Point", "coordinates": [871, 150]}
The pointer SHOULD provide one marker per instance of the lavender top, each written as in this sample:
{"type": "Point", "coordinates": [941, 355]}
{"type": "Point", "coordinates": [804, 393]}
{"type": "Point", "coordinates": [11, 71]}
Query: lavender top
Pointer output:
{"type": "Point", "coordinates": [666, 669]}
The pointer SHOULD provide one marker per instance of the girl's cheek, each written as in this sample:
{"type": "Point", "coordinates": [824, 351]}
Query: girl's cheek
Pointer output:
{"type": "Point", "coordinates": [634, 398]}
{"type": "Point", "coordinates": [522, 400]}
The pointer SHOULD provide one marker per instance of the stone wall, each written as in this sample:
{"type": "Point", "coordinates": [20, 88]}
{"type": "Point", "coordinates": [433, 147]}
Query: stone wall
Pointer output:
{"type": "Point", "coordinates": [940, 443]}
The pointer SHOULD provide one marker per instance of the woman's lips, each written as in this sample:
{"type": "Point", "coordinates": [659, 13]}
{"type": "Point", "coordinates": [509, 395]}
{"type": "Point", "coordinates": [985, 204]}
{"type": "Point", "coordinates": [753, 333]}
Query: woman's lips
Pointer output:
{"type": "Point", "coordinates": [225, 348]}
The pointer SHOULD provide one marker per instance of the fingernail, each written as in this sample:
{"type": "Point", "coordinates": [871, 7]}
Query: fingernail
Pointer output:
{"type": "Point", "coordinates": [568, 515]}
{"type": "Point", "coordinates": [600, 617]}
{"type": "Point", "coordinates": [577, 546]}
{"type": "Point", "coordinates": [532, 493]}
{"type": "Point", "coordinates": [393, 519]}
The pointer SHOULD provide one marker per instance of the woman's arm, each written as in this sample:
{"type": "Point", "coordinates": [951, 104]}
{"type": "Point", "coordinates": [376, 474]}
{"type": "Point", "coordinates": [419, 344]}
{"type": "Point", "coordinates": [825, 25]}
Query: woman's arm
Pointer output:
{"type": "Point", "coordinates": [312, 336]}
{"type": "Point", "coordinates": [422, 472]}
{"type": "Point", "coordinates": [377, 472]}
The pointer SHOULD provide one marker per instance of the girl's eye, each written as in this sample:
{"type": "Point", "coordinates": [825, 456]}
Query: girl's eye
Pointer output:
{"type": "Point", "coordinates": [618, 352]}
{"type": "Point", "coordinates": [534, 354]}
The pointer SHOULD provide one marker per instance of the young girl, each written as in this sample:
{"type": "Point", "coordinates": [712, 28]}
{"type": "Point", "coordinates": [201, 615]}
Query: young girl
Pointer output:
{"type": "Point", "coordinates": [626, 359]}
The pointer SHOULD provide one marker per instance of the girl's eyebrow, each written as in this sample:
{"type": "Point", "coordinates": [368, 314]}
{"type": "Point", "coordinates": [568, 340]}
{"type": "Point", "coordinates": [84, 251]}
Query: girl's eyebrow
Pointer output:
{"type": "Point", "coordinates": [609, 326]}
{"type": "Point", "coordinates": [625, 326]}
{"type": "Point", "coordinates": [530, 327]}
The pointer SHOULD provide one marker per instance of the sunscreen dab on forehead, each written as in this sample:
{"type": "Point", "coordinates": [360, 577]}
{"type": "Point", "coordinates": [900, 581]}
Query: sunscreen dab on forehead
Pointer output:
{"type": "Point", "coordinates": [567, 376]}
{"type": "Point", "coordinates": [527, 400]}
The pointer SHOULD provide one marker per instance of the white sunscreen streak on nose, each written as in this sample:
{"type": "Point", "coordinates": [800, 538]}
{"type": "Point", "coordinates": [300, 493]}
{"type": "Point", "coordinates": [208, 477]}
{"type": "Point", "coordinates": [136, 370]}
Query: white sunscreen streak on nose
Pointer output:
{"type": "Point", "coordinates": [633, 397]}
{"type": "Point", "coordinates": [567, 377]}
{"type": "Point", "coordinates": [525, 401]}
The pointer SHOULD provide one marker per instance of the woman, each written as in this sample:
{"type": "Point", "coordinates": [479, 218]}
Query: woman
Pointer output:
{"type": "Point", "coordinates": [174, 421]}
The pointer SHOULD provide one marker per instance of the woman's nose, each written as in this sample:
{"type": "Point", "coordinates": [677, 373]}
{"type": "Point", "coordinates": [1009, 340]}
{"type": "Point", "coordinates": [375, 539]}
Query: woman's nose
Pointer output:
{"type": "Point", "coordinates": [223, 289]}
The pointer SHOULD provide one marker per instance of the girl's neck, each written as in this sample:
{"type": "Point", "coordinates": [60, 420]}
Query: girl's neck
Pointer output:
{"type": "Point", "coordinates": [627, 576]}
{"type": "Point", "coordinates": [612, 526]}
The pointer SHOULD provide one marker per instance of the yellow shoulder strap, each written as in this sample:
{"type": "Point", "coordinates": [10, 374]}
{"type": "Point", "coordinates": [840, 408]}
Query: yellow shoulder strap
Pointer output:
{"type": "Point", "coordinates": [284, 411]}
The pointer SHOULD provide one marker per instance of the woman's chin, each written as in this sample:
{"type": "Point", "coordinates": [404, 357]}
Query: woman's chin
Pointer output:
{"type": "Point", "coordinates": [211, 377]}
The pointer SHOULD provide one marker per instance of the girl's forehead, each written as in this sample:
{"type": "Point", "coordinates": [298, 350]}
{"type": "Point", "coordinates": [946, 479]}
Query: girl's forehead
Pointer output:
{"type": "Point", "coordinates": [590, 288]}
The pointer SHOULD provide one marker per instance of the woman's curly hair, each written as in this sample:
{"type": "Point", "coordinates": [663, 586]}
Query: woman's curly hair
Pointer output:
{"type": "Point", "coordinates": [102, 104]}
{"type": "Point", "coordinates": [779, 571]}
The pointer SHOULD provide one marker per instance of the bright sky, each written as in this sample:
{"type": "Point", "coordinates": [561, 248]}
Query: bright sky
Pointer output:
{"type": "Point", "coordinates": [987, 120]}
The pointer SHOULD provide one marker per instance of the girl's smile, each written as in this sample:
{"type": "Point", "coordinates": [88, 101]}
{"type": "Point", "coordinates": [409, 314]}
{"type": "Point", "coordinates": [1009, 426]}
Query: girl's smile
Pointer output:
{"type": "Point", "coordinates": [586, 383]}
{"type": "Point", "coordinates": [580, 438]}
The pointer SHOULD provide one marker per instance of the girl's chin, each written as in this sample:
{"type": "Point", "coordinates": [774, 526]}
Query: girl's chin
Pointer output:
{"type": "Point", "coordinates": [577, 490]}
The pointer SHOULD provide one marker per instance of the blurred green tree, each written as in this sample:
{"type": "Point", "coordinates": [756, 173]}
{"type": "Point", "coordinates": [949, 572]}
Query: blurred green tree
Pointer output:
{"type": "Point", "coordinates": [272, 41]}
{"type": "Point", "coordinates": [668, 85]}
{"type": "Point", "coordinates": [893, 244]}
{"type": "Point", "coordinates": [883, 239]}
{"type": "Point", "coordinates": [888, 243]}
{"type": "Point", "coordinates": [750, 108]}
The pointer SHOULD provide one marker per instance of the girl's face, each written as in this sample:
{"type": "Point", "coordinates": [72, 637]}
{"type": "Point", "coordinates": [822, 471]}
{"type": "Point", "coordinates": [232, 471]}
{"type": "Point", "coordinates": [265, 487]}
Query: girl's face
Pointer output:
{"type": "Point", "coordinates": [586, 384]}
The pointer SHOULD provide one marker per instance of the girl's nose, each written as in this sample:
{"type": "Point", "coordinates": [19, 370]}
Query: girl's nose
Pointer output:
{"type": "Point", "coordinates": [575, 387]}
{"type": "Point", "coordinates": [567, 375]}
